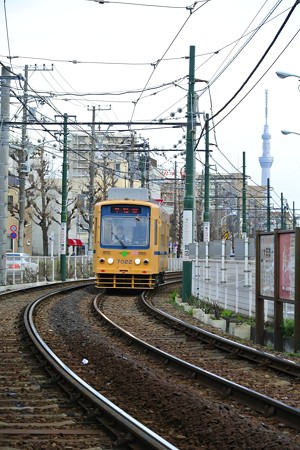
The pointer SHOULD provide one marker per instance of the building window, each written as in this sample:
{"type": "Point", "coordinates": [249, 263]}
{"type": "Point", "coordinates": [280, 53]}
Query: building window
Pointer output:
{"type": "Point", "coordinates": [10, 201]}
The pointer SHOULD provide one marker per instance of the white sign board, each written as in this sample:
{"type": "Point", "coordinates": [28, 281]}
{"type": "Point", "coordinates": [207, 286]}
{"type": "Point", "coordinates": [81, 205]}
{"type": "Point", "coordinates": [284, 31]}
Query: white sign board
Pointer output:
{"type": "Point", "coordinates": [187, 234]}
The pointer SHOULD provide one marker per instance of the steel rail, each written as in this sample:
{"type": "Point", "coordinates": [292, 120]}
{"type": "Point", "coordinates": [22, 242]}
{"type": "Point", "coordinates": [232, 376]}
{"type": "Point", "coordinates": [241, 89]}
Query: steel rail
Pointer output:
{"type": "Point", "coordinates": [141, 436]}
{"type": "Point", "coordinates": [240, 350]}
{"type": "Point", "coordinates": [259, 402]}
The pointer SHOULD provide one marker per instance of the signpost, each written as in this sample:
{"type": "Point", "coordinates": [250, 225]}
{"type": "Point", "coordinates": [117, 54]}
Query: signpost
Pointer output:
{"type": "Point", "coordinates": [277, 281]}
{"type": "Point", "coordinates": [13, 234]}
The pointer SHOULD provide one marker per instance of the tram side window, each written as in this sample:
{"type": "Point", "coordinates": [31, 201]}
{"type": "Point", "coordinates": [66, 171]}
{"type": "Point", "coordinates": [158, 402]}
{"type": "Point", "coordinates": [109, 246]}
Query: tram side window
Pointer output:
{"type": "Point", "coordinates": [95, 226]}
{"type": "Point", "coordinates": [162, 236]}
{"type": "Point", "coordinates": [155, 232]}
{"type": "Point", "coordinates": [106, 231]}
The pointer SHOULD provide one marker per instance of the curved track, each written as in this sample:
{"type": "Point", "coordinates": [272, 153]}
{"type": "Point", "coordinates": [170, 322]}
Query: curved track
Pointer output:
{"type": "Point", "coordinates": [187, 415]}
{"type": "Point", "coordinates": [263, 403]}
{"type": "Point", "coordinates": [35, 412]}
{"type": "Point", "coordinates": [48, 401]}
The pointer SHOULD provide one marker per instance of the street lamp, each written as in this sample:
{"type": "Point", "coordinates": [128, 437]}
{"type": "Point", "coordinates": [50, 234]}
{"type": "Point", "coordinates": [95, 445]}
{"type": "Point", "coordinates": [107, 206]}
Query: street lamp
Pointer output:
{"type": "Point", "coordinates": [289, 132]}
{"type": "Point", "coordinates": [287, 74]}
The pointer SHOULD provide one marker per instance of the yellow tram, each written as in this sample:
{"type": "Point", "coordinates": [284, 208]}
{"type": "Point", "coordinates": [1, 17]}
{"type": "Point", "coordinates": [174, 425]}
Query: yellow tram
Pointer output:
{"type": "Point", "coordinates": [131, 240]}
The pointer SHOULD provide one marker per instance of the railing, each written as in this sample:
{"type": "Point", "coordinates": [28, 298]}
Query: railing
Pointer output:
{"type": "Point", "coordinates": [77, 267]}
{"type": "Point", "coordinates": [174, 264]}
{"type": "Point", "coordinates": [231, 284]}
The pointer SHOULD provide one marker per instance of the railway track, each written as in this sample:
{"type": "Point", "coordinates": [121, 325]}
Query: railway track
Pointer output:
{"type": "Point", "coordinates": [247, 369]}
{"type": "Point", "coordinates": [179, 408]}
{"type": "Point", "coordinates": [35, 414]}
{"type": "Point", "coordinates": [45, 404]}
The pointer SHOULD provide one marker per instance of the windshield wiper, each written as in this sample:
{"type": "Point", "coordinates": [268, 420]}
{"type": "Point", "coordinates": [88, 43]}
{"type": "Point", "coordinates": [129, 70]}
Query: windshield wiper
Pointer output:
{"type": "Point", "coordinates": [119, 240]}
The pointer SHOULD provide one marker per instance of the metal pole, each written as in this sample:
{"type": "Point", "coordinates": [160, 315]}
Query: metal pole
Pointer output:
{"type": "Point", "coordinates": [175, 236]}
{"type": "Point", "coordinates": [268, 206]}
{"type": "Point", "coordinates": [187, 232]}
{"type": "Point", "coordinates": [244, 224]}
{"type": "Point", "coordinates": [4, 152]}
{"type": "Point", "coordinates": [64, 214]}
{"type": "Point", "coordinates": [142, 161]}
{"type": "Point", "coordinates": [206, 230]}
{"type": "Point", "coordinates": [282, 212]}
{"type": "Point", "coordinates": [294, 217]}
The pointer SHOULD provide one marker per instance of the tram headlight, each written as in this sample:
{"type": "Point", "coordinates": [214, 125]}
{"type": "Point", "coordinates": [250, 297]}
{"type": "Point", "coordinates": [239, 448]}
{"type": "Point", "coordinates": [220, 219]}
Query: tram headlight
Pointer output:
{"type": "Point", "coordinates": [110, 260]}
{"type": "Point", "coordinates": [146, 261]}
{"type": "Point", "coordinates": [102, 260]}
{"type": "Point", "coordinates": [137, 261]}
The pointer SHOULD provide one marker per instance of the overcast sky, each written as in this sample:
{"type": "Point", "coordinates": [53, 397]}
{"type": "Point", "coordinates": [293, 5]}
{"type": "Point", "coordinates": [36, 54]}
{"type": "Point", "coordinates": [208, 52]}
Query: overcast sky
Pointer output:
{"type": "Point", "coordinates": [133, 58]}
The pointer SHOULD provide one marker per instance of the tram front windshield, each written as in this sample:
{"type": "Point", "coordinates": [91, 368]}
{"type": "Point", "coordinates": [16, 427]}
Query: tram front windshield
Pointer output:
{"type": "Point", "coordinates": [120, 230]}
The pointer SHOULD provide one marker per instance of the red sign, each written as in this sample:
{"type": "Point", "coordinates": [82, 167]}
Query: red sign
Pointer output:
{"type": "Point", "coordinates": [287, 266]}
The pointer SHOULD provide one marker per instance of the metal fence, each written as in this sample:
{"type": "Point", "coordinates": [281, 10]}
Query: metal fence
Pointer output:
{"type": "Point", "coordinates": [227, 281]}
{"type": "Point", "coordinates": [231, 283]}
{"type": "Point", "coordinates": [49, 270]}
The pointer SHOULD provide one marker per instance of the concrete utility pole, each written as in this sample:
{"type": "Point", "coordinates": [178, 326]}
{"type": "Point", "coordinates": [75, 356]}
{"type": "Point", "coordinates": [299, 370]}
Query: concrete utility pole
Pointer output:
{"type": "Point", "coordinates": [4, 153]}
{"type": "Point", "coordinates": [64, 198]}
{"type": "Point", "coordinates": [91, 183]}
{"type": "Point", "coordinates": [22, 167]}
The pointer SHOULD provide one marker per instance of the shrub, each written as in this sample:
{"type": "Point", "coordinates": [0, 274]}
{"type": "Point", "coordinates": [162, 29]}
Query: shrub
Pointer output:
{"type": "Point", "coordinates": [288, 328]}
{"type": "Point", "coordinates": [239, 318]}
{"type": "Point", "coordinates": [226, 314]}
{"type": "Point", "coordinates": [250, 321]}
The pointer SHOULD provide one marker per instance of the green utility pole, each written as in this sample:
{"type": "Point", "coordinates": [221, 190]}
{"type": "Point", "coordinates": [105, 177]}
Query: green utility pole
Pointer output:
{"type": "Point", "coordinates": [175, 235]}
{"type": "Point", "coordinates": [64, 214]}
{"type": "Point", "coordinates": [268, 206]}
{"type": "Point", "coordinates": [187, 228]}
{"type": "Point", "coordinates": [206, 228]}
{"type": "Point", "coordinates": [244, 224]}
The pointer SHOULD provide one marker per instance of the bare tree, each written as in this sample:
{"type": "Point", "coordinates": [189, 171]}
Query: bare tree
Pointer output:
{"type": "Point", "coordinates": [42, 194]}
